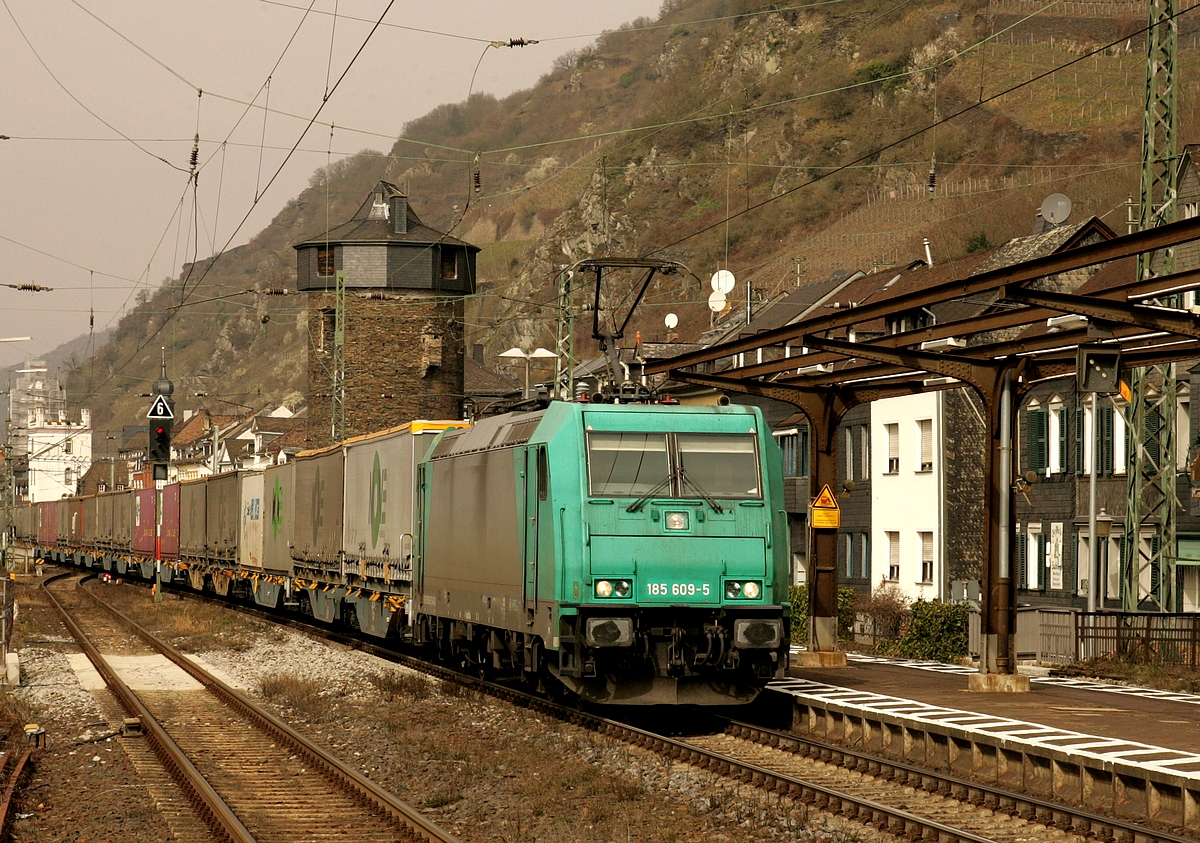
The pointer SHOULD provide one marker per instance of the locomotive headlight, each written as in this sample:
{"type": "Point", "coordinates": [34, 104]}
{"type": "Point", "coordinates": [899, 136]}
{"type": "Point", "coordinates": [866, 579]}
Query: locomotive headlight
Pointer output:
{"type": "Point", "coordinates": [676, 520]}
{"type": "Point", "coordinates": [613, 588]}
{"type": "Point", "coordinates": [744, 590]}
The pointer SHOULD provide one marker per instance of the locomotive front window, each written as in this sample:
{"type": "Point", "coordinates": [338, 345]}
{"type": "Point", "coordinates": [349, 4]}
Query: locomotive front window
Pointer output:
{"type": "Point", "coordinates": [626, 464]}
{"type": "Point", "coordinates": [723, 465]}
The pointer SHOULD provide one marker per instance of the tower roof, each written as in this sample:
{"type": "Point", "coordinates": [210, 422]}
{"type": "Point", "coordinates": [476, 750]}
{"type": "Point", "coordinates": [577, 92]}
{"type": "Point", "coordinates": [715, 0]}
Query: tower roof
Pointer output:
{"type": "Point", "coordinates": [372, 223]}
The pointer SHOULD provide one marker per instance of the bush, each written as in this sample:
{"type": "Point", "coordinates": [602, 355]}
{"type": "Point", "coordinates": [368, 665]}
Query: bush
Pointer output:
{"type": "Point", "coordinates": [884, 614]}
{"type": "Point", "coordinates": [935, 631]}
{"type": "Point", "coordinates": [978, 242]}
{"type": "Point", "coordinates": [799, 600]}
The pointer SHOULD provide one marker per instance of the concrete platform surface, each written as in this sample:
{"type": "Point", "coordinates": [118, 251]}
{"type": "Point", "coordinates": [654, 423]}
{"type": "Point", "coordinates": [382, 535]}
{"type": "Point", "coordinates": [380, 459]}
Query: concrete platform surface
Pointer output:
{"type": "Point", "coordinates": [1145, 716]}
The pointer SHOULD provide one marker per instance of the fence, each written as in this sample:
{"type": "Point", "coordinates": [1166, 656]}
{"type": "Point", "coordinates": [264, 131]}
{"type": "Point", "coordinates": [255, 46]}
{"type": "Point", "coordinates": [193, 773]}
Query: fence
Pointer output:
{"type": "Point", "coordinates": [1067, 636]}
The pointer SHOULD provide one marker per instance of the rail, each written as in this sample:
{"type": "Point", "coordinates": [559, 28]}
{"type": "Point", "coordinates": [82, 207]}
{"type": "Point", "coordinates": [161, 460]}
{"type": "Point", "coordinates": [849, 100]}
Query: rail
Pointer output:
{"type": "Point", "coordinates": [367, 790]}
{"type": "Point", "coordinates": [213, 809]}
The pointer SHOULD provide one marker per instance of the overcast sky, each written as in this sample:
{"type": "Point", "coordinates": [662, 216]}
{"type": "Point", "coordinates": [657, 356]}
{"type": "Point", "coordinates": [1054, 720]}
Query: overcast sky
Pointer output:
{"type": "Point", "coordinates": [96, 215]}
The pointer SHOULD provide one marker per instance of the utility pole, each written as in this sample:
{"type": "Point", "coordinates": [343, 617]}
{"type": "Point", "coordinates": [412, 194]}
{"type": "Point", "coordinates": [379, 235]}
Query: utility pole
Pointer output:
{"type": "Point", "coordinates": [1151, 492]}
{"type": "Point", "coordinates": [564, 338]}
{"type": "Point", "coordinates": [337, 402]}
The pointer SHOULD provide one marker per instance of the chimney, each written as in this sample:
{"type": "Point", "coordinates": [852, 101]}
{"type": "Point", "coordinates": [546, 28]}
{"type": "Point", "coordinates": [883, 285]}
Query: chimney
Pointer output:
{"type": "Point", "coordinates": [399, 214]}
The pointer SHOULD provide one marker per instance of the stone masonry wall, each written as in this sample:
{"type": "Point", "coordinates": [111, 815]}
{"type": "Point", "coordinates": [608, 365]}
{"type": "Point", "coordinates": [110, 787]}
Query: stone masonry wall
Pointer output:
{"type": "Point", "coordinates": [404, 361]}
{"type": "Point", "coordinates": [965, 442]}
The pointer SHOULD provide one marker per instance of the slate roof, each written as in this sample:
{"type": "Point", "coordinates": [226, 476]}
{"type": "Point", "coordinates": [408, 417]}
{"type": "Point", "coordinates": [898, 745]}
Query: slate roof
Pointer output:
{"type": "Point", "coordinates": [478, 379]}
{"type": "Point", "coordinates": [365, 227]}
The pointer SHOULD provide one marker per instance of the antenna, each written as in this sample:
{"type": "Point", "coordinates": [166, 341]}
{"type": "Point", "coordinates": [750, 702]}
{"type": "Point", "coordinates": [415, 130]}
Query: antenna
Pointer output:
{"type": "Point", "coordinates": [717, 301]}
{"type": "Point", "coordinates": [723, 282]}
{"type": "Point", "coordinates": [1056, 208]}
{"type": "Point", "coordinates": [671, 321]}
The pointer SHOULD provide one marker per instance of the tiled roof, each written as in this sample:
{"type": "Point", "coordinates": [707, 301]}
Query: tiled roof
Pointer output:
{"type": "Point", "coordinates": [478, 379]}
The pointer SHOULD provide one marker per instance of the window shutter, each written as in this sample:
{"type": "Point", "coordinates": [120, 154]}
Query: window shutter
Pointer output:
{"type": "Point", "coordinates": [1079, 440]}
{"type": "Point", "coordinates": [926, 428]}
{"type": "Point", "coordinates": [1041, 561]}
{"type": "Point", "coordinates": [1036, 438]}
{"type": "Point", "coordinates": [1155, 569]}
{"type": "Point", "coordinates": [865, 564]}
{"type": "Point", "coordinates": [1062, 441]}
{"type": "Point", "coordinates": [893, 442]}
{"type": "Point", "coordinates": [1022, 567]}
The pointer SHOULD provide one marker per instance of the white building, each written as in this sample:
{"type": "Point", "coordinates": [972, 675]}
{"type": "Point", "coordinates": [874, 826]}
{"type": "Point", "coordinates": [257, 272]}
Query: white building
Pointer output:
{"type": "Point", "coordinates": [60, 453]}
{"type": "Point", "coordinates": [906, 495]}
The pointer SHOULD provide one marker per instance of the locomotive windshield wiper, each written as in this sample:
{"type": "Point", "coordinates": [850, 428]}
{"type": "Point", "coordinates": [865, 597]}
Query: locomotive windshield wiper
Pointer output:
{"type": "Point", "coordinates": [654, 490]}
{"type": "Point", "coordinates": [708, 499]}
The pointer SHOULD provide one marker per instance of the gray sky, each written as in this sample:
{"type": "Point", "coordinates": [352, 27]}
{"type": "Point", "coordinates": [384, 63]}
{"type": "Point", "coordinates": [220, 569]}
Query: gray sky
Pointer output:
{"type": "Point", "coordinates": [74, 189]}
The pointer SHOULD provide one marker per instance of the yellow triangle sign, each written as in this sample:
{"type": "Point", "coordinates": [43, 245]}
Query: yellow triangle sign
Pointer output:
{"type": "Point", "coordinates": [826, 500]}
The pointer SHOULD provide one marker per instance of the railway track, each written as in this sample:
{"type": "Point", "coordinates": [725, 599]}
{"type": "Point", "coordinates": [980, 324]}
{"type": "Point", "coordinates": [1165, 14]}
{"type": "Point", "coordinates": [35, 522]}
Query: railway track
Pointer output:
{"type": "Point", "coordinates": [888, 795]}
{"type": "Point", "coordinates": [248, 775]}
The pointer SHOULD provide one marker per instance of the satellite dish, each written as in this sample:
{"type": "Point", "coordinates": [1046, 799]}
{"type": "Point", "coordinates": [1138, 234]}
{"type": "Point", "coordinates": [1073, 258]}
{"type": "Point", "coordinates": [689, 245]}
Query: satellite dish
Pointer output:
{"type": "Point", "coordinates": [672, 320]}
{"type": "Point", "coordinates": [716, 301]}
{"type": "Point", "coordinates": [723, 281]}
{"type": "Point", "coordinates": [1056, 208]}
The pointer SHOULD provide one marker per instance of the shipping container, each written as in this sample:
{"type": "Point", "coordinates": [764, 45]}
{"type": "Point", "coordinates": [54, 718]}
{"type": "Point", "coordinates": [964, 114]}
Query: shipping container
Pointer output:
{"type": "Point", "coordinates": [91, 522]}
{"type": "Point", "coordinates": [28, 521]}
{"type": "Point", "coordinates": [279, 483]}
{"type": "Point", "coordinates": [193, 519]}
{"type": "Point", "coordinates": [318, 533]}
{"type": "Point", "coordinates": [169, 530]}
{"type": "Point", "coordinates": [144, 522]}
{"type": "Point", "coordinates": [222, 515]}
{"type": "Point", "coordinates": [122, 502]}
{"type": "Point", "coordinates": [48, 525]}
{"type": "Point", "coordinates": [63, 518]}
{"type": "Point", "coordinates": [250, 533]}
{"type": "Point", "coordinates": [75, 533]}
{"type": "Point", "coordinates": [104, 520]}
{"type": "Point", "coordinates": [378, 507]}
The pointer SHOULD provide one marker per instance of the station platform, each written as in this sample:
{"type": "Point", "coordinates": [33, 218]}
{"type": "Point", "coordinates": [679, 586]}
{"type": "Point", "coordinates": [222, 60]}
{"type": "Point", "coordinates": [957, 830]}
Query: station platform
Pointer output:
{"type": "Point", "coordinates": [1118, 712]}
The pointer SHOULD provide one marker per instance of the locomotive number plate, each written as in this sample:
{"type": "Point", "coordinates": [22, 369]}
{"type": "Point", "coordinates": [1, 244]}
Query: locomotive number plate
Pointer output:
{"type": "Point", "coordinates": [678, 589]}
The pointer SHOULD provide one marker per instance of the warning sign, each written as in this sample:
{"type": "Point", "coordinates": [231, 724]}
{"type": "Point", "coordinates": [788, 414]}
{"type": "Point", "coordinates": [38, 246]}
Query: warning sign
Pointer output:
{"type": "Point", "coordinates": [826, 514]}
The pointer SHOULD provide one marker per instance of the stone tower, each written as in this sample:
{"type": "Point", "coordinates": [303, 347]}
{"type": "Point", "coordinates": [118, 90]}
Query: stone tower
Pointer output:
{"type": "Point", "coordinates": [405, 284]}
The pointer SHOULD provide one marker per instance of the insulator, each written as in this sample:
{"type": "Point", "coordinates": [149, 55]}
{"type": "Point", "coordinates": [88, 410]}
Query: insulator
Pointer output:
{"type": "Point", "coordinates": [478, 181]}
{"type": "Point", "coordinates": [932, 181]}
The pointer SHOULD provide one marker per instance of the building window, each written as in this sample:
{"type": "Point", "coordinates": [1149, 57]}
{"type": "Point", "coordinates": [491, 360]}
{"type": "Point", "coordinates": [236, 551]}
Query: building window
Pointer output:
{"type": "Point", "coordinates": [848, 553]}
{"type": "Point", "coordinates": [325, 262]}
{"type": "Point", "coordinates": [1057, 438]}
{"type": "Point", "coordinates": [787, 443]}
{"type": "Point", "coordinates": [893, 437]}
{"type": "Point", "coordinates": [67, 445]}
{"type": "Point", "coordinates": [925, 435]}
{"type": "Point", "coordinates": [926, 557]}
{"type": "Point", "coordinates": [449, 264]}
{"type": "Point", "coordinates": [893, 539]}
{"type": "Point", "coordinates": [864, 555]}
{"type": "Point", "coordinates": [68, 477]}
{"type": "Point", "coordinates": [848, 445]}
{"type": "Point", "coordinates": [864, 436]}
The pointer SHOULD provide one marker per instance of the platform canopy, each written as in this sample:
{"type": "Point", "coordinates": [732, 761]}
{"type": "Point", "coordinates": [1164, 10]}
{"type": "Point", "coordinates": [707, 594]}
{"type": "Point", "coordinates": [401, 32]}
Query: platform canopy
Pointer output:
{"type": "Point", "coordinates": [939, 328]}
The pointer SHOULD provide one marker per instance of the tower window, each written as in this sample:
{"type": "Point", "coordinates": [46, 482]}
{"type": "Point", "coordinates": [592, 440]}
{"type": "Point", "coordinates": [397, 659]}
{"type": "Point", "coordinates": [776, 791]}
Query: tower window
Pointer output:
{"type": "Point", "coordinates": [449, 265]}
{"type": "Point", "coordinates": [325, 262]}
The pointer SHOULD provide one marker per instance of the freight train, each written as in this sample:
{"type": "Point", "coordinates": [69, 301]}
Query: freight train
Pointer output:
{"type": "Point", "coordinates": [626, 554]}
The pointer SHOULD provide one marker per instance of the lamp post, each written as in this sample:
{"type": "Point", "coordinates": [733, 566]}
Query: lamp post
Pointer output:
{"type": "Point", "coordinates": [1104, 523]}
{"type": "Point", "coordinates": [538, 353]}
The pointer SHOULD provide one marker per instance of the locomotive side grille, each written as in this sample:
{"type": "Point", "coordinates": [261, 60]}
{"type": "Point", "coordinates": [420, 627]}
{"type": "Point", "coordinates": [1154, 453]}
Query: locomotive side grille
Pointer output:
{"type": "Point", "coordinates": [521, 431]}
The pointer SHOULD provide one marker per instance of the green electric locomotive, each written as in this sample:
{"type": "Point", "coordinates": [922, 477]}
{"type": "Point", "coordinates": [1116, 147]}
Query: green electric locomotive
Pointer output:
{"type": "Point", "coordinates": [632, 554]}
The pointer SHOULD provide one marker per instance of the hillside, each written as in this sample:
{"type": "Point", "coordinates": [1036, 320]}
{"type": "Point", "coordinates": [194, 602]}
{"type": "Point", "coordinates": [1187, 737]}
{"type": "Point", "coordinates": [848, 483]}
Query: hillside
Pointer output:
{"type": "Point", "coordinates": [788, 121]}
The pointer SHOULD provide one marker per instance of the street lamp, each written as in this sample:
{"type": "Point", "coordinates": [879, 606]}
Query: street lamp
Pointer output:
{"type": "Point", "coordinates": [538, 353]}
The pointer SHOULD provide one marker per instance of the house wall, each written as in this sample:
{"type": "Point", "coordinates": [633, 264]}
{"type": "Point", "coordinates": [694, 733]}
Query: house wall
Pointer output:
{"type": "Point", "coordinates": [854, 536]}
{"type": "Point", "coordinates": [964, 443]}
{"type": "Point", "coordinates": [906, 502]}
